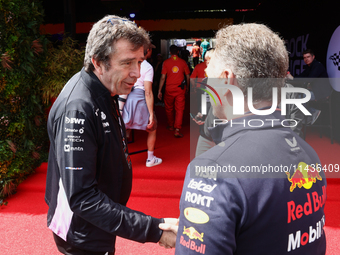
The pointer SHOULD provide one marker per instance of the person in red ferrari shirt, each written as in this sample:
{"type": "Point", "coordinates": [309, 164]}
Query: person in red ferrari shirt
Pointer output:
{"type": "Point", "coordinates": [195, 53]}
{"type": "Point", "coordinates": [199, 71]}
{"type": "Point", "coordinates": [173, 71]}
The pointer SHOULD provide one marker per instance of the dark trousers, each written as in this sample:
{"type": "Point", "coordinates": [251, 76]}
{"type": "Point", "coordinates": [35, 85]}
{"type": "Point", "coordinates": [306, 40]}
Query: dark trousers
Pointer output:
{"type": "Point", "coordinates": [196, 60]}
{"type": "Point", "coordinates": [67, 249]}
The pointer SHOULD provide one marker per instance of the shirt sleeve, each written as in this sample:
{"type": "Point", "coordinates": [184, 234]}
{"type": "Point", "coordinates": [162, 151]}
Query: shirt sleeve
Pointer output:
{"type": "Point", "coordinates": [206, 205]}
{"type": "Point", "coordinates": [164, 68]}
{"type": "Point", "coordinates": [194, 73]}
{"type": "Point", "coordinates": [149, 74]}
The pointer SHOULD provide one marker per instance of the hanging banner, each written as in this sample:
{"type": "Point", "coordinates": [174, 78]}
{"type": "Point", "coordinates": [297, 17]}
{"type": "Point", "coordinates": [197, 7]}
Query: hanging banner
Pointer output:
{"type": "Point", "coordinates": [296, 46]}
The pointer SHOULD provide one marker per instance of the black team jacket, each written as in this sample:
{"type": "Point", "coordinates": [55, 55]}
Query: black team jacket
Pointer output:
{"type": "Point", "coordinates": [89, 175]}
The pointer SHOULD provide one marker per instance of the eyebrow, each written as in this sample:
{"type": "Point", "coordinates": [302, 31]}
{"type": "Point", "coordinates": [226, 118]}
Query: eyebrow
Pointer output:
{"type": "Point", "coordinates": [129, 59]}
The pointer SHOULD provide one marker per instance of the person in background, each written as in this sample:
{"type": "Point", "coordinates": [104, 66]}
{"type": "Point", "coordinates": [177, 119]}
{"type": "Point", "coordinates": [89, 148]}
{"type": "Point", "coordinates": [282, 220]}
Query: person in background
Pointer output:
{"type": "Point", "coordinates": [199, 71]}
{"type": "Point", "coordinates": [195, 53]}
{"type": "Point", "coordinates": [310, 77]}
{"type": "Point", "coordinates": [157, 66]}
{"type": "Point", "coordinates": [261, 189]}
{"type": "Point", "coordinates": [137, 108]}
{"type": "Point", "coordinates": [180, 43]}
{"type": "Point", "coordinates": [184, 54]}
{"type": "Point", "coordinates": [89, 175]}
{"type": "Point", "coordinates": [174, 71]}
{"type": "Point", "coordinates": [205, 45]}
{"type": "Point", "coordinates": [198, 80]}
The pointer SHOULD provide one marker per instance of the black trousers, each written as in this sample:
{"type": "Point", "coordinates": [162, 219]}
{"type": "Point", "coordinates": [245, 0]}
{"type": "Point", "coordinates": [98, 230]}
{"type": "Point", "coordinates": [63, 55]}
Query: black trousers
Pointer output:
{"type": "Point", "coordinates": [196, 60]}
{"type": "Point", "coordinates": [67, 249]}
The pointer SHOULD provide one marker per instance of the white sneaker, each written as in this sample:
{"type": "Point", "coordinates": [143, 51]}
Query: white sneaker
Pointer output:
{"type": "Point", "coordinates": [153, 162]}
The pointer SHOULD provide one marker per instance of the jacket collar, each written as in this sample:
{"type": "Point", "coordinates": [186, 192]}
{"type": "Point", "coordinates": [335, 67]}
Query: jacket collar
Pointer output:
{"type": "Point", "coordinates": [174, 57]}
{"type": "Point", "coordinates": [94, 84]}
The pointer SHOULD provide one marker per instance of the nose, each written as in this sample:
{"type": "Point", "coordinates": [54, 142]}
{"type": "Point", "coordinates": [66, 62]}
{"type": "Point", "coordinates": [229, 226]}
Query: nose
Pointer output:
{"type": "Point", "coordinates": [135, 71]}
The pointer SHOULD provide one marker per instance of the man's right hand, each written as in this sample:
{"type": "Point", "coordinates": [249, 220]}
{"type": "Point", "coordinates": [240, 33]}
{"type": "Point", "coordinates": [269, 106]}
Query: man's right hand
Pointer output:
{"type": "Point", "coordinates": [170, 228]}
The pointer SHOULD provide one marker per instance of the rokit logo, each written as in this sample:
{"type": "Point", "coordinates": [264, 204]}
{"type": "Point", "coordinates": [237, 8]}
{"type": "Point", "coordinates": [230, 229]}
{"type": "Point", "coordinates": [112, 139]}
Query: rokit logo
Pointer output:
{"type": "Point", "coordinates": [74, 121]}
{"type": "Point", "coordinates": [198, 199]}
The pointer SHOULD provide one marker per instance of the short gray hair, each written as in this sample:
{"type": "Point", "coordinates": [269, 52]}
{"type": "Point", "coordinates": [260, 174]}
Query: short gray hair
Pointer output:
{"type": "Point", "coordinates": [253, 51]}
{"type": "Point", "coordinates": [105, 33]}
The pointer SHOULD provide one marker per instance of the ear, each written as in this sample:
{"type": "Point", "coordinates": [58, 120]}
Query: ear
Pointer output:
{"type": "Point", "coordinates": [98, 66]}
{"type": "Point", "coordinates": [148, 53]}
{"type": "Point", "coordinates": [229, 76]}
{"type": "Point", "coordinates": [230, 79]}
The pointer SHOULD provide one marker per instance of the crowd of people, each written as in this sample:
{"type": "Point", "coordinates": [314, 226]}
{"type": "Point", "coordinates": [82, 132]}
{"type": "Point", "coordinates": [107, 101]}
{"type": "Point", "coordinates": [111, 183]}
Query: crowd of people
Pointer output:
{"type": "Point", "coordinates": [165, 83]}
{"type": "Point", "coordinates": [89, 176]}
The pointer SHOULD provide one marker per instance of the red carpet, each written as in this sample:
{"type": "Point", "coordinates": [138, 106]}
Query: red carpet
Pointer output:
{"type": "Point", "coordinates": [156, 191]}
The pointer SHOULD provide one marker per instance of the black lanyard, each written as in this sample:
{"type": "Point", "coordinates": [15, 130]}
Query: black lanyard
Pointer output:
{"type": "Point", "coordinates": [119, 119]}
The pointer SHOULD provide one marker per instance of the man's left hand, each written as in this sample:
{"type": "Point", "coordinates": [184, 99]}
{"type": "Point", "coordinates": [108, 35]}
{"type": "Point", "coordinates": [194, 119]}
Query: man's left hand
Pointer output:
{"type": "Point", "coordinates": [152, 125]}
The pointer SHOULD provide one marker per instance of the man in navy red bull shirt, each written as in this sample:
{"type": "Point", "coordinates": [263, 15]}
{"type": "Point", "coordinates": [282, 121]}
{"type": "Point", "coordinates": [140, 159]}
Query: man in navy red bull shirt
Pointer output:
{"type": "Point", "coordinates": [261, 189]}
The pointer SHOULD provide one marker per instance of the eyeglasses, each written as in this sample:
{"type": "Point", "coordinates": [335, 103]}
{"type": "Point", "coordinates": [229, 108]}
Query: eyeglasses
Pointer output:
{"type": "Point", "coordinates": [124, 20]}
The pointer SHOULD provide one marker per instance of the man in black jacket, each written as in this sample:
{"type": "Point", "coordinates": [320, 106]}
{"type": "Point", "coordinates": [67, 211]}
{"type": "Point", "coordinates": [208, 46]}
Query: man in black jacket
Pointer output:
{"type": "Point", "coordinates": [315, 69]}
{"type": "Point", "coordinates": [315, 78]}
{"type": "Point", "coordinates": [89, 174]}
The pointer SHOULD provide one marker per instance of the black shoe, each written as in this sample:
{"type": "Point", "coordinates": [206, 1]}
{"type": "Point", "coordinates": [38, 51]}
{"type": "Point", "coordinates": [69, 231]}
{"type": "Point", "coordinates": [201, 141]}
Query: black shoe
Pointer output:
{"type": "Point", "coordinates": [315, 116]}
{"type": "Point", "coordinates": [177, 134]}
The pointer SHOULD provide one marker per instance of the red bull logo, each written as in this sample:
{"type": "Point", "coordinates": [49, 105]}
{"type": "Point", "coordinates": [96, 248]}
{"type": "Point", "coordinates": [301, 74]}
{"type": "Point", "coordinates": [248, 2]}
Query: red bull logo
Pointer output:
{"type": "Point", "coordinates": [304, 176]}
{"type": "Point", "coordinates": [192, 245]}
{"type": "Point", "coordinates": [192, 233]}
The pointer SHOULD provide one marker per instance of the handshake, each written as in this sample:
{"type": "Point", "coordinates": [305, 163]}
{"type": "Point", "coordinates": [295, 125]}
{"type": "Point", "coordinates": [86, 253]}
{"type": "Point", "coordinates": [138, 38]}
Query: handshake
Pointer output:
{"type": "Point", "coordinates": [170, 228]}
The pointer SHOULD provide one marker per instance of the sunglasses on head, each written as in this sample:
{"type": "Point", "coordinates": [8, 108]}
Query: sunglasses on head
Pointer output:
{"type": "Point", "coordinates": [111, 20]}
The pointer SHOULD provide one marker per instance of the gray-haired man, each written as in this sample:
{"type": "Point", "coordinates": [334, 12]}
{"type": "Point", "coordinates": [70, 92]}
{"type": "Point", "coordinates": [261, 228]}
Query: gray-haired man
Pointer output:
{"type": "Point", "coordinates": [89, 170]}
{"type": "Point", "coordinates": [261, 189]}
